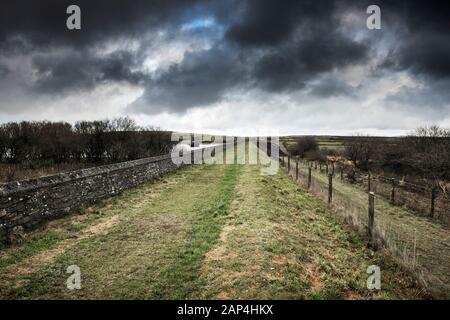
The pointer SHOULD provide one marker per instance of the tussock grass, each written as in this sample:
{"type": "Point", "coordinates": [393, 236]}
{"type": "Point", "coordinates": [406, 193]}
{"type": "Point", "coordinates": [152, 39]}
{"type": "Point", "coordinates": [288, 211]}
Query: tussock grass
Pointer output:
{"type": "Point", "coordinates": [417, 243]}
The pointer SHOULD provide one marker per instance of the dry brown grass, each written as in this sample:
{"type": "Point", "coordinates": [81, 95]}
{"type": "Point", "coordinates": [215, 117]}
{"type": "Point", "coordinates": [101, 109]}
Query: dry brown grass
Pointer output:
{"type": "Point", "coordinates": [16, 172]}
{"type": "Point", "coordinates": [417, 243]}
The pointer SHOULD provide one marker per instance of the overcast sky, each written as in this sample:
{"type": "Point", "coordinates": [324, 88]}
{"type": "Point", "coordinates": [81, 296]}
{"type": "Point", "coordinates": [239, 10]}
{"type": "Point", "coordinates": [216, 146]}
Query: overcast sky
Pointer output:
{"type": "Point", "coordinates": [235, 67]}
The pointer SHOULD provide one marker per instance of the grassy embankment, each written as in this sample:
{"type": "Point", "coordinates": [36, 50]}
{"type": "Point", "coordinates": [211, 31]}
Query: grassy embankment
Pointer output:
{"type": "Point", "coordinates": [209, 231]}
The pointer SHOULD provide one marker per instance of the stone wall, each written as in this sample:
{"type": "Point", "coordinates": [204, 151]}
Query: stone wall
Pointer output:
{"type": "Point", "coordinates": [26, 204]}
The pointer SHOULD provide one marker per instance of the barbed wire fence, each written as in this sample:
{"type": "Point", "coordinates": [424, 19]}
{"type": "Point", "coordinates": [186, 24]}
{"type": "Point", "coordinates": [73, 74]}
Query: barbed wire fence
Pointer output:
{"type": "Point", "coordinates": [424, 200]}
{"type": "Point", "coordinates": [391, 216]}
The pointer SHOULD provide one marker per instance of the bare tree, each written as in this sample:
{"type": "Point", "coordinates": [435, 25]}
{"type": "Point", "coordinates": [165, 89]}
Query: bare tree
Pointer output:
{"type": "Point", "coordinates": [360, 151]}
{"type": "Point", "coordinates": [303, 146]}
{"type": "Point", "coordinates": [429, 151]}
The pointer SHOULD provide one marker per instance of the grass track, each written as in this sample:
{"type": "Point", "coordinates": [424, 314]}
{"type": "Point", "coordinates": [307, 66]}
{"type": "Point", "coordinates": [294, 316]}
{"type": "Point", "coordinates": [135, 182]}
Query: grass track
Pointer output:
{"type": "Point", "coordinates": [211, 231]}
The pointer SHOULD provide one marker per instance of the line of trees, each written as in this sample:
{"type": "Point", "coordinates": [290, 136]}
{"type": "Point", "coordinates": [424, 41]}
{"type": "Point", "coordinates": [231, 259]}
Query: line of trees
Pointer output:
{"type": "Point", "coordinates": [308, 148]}
{"type": "Point", "coordinates": [424, 152]}
{"type": "Point", "coordinates": [102, 141]}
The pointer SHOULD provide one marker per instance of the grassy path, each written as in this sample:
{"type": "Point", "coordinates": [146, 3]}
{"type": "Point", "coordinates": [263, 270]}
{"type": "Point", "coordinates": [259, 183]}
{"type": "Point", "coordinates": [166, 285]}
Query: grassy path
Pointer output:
{"type": "Point", "coordinates": [162, 229]}
{"type": "Point", "coordinates": [211, 231]}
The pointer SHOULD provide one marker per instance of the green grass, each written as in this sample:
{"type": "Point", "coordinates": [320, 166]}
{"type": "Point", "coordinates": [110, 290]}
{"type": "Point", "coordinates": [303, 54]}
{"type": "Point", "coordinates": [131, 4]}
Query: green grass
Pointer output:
{"type": "Point", "coordinates": [34, 246]}
{"type": "Point", "coordinates": [403, 230]}
{"type": "Point", "coordinates": [205, 231]}
{"type": "Point", "coordinates": [180, 280]}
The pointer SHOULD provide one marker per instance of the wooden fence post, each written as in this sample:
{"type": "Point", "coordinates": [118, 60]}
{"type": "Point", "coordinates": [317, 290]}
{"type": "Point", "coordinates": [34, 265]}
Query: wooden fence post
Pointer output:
{"type": "Point", "coordinates": [393, 191]}
{"type": "Point", "coordinates": [371, 216]}
{"type": "Point", "coordinates": [320, 166]}
{"type": "Point", "coordinates": [433, 200]}
{"type": "Point", "coordinates": [192, 151]}
{"type": "Point", "coordinates": [296, 170]}
{"type": "Point", "coordinates": [309, 178]}
{"type": "Point", "coordinates": [332, 168]}
{"type": "Point", "coordinates": [368, 182]}
{"type": "Point", "coordinates": [289, 164]}
{"type": "Point", "coordinates": [330, 189]}
{"type": "Point", "coordinates": [315, 165]}
{"type": "Point", "coordinates": [326, 168]}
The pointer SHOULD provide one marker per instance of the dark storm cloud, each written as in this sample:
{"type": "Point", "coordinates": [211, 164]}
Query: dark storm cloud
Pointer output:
{"type": "Point", "coordinates": [66, 60]}
{"type": "Point", "coordinates": [424, 28]}
{"type": "Point", "coordinates": [43, 23]}
{"type": "Point", "coordinates": [429, 15]}
{"type": "Point", "coordinates": [270, 22]}
{"type": "Point", "coordinates": [424, 44]}
{"type": "Point", "coordinates": [199, 80]}
{"type": "Point", "coordinates": [302, 37]}
{"type": "Point", "coordinates": [78, 70]}
{"type": "Point", "coordinates": [286, 64]}
{"type": "Point", "coordinates": [290, 67]}
{"type": "Point", "coordinates": [425, 54]}
{"type": "Point", "coordinates": [277, 46]}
